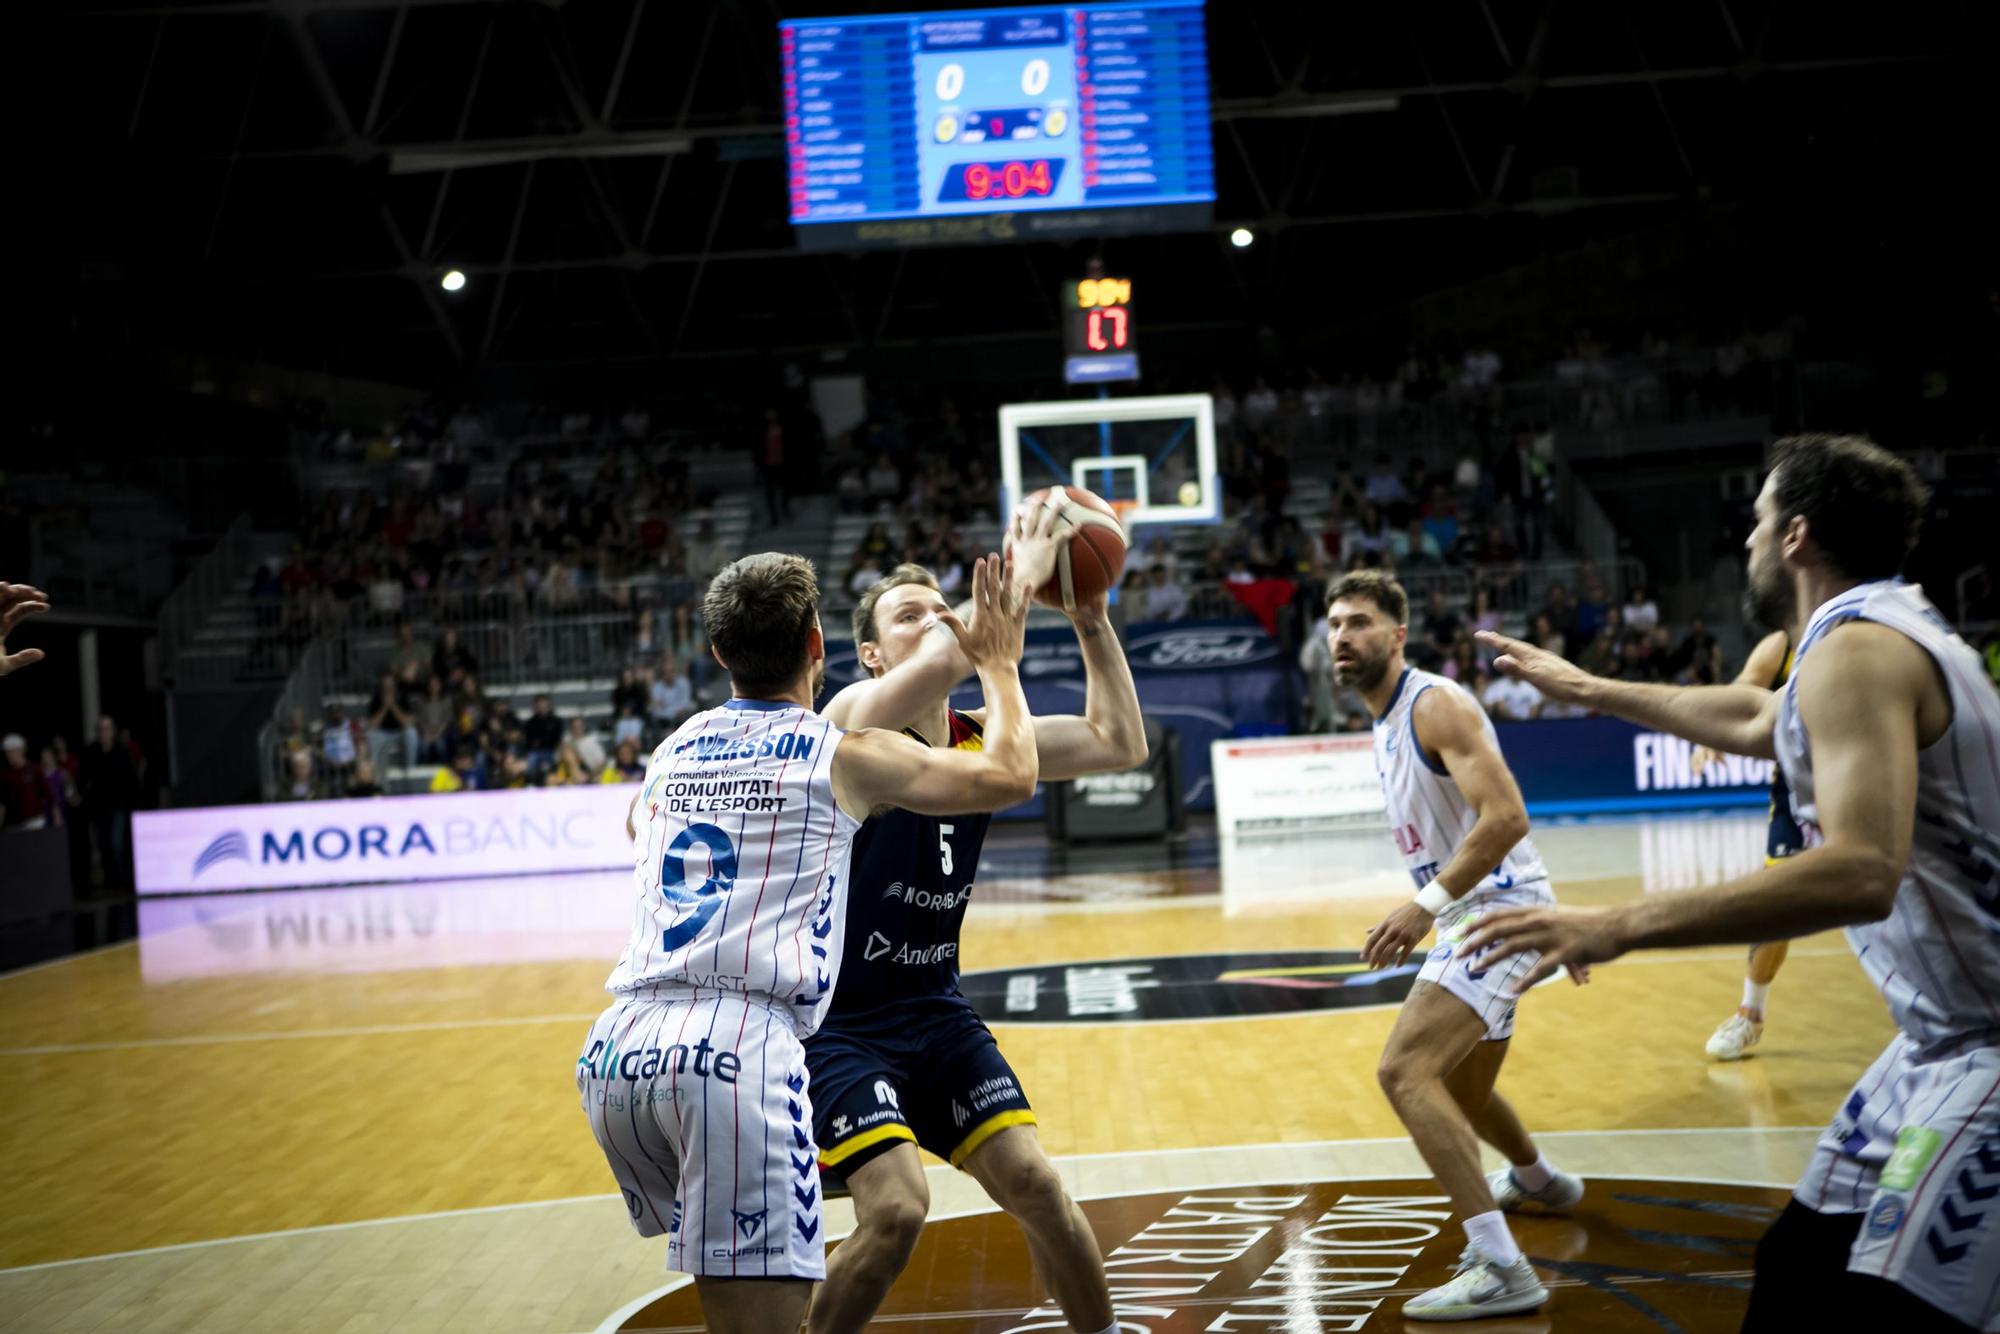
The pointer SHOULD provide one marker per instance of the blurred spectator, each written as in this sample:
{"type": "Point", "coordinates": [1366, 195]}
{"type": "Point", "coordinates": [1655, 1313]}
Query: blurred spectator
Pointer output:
{"type": "Point", "coordinates": [625, 766]}
{"type": "Point", "coordinates": [111, 797]}
{"type": "Point", "coordinates": [542, 734]}
{"type": "Point", "coordinates": [434, 719]}
{"type": "Point", "coordinates": [1414, 545]}
{"type": "Point", "coordinates": [1165, 600]}
{"type": "Point", "coordinates": [23, 791]}
{"type": "Point", "coordinates": [1698, 647]}
{"type": "Point", "coordinates": [569, 769]}
{"type": "Point", "coordinates": [628, 727]}
{"type": "Point", "coordinates": [1641, 612]}
{"type": "Point", "coordinates": [59, 786]}
{"type": "Point", "coordinates": [1442, 621]}
{"type": "Point", "coordinates": [1543, 634]}
{"type": "Point", "coordinates": [588, 748]}
{"type": "Point", "coordinates": [338, 743]}
{"type": "Point", "coordinates": [1385, 489]}
{"type": "Point", "coordinates": [671, 697]}
{"type": "Point", "coordinates": [409, 661]}
{"type": "Point", "coordinates": [1260, 405]}
{"type": "Point", "coordinates": [461, 775]}
{"type": "Point", "coordinates": [391, 726]}
{"type": "Point", "coordinates": [300, 784]}
{"type": "Point", "coordinates": [1591, 611]}
{"type": "Point", "coordinates": [363, 783]}
{"type": "Point", "coordinates": [451, 660]}
{"type": "Point", "coordinates": [629, 695]}
{"type": "Point", "coordinates": [771, 470]}
{"type": "Point", "coordinates": [1511, 700]}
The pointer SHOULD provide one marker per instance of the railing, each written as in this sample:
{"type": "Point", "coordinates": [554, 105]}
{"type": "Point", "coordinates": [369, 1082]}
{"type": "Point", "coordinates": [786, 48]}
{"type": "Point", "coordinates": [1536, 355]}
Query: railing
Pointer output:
{"type": "Point", "coordinates": [189, 606]}
{"type": "Point", "coordinates": [304, 690]}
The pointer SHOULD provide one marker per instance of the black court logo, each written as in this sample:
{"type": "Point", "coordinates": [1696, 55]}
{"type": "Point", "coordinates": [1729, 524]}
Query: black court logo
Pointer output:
{"type": "Point", "coordinates": [1186, 986]}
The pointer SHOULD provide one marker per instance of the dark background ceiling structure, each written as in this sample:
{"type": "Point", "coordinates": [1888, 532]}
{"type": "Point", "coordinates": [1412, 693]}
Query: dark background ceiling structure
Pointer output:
{"type": "Point", "coordinates": [284, 180]}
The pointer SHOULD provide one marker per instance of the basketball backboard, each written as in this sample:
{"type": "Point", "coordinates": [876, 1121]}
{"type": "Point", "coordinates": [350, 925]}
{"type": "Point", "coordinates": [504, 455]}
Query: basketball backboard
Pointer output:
{"type": "Point", "coordinates": [1152, 458]}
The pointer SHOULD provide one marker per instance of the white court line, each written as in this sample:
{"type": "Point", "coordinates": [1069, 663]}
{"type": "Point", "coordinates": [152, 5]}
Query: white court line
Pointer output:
{"type": "Point", "coordinates": [1287, 1147]}
{"type": "Point", "coordinates": [447, 1025]}
{"type": "Point", "coordinates": [283, 1035]}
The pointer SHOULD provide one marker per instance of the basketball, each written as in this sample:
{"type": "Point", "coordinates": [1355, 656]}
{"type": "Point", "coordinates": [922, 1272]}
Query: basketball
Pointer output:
{"type": "Point", "coordinates": [1093, 558]}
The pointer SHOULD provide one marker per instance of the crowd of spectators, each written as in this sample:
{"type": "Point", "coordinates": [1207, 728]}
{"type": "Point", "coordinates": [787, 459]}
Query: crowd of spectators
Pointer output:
{"type": "Point", "coordinates": [423, 540]}
{"type": "Point", "coordinates": [1625, 639]}
{"type": "Point", "coordinates": [428, 713]}
{"type": "Point", "coordinates": [91, 794]}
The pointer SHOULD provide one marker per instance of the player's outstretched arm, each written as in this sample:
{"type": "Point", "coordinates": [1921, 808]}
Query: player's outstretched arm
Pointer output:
{"type": "Point", "coordinates": [1760, 668]}
{"type": "Point", "coordinates": [1735, 719]}
{"type": "Point", "coordinates": [1447, 724]}
{"type": "Point", "coordinates": [1859, 696]}
{"type": "Point", "coordinates": [873, 769]}
{"type": "Point", "coordinates": [17, 603]}
{"type": "Point", "coordinates": [1110, 734]}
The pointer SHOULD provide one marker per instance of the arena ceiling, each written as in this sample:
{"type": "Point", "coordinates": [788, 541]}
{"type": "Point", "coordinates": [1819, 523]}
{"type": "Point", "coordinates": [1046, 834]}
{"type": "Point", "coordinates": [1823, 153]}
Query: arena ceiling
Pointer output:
{"type": "Point", "coordinates": [285, 180]}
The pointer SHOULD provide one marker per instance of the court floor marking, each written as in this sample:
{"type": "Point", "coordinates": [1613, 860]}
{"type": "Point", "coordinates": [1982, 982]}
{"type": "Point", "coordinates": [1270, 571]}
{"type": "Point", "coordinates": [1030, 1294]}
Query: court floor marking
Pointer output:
{"type": "Point", "coordinates": [28, 968]}
{"type": "Point", "coordinates": [447, 1025]}
{"type": "Point", "coordinates": [1287, 1147]}
{"type": "Point", "coordinates": [283, 1035]}
{"type": "Point", "coordinates": [614, 1323]}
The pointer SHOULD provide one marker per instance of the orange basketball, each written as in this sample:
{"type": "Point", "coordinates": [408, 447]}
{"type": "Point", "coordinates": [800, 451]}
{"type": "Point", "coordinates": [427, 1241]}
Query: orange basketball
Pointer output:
{"type": "Point", "coordinates": [1093, 558]}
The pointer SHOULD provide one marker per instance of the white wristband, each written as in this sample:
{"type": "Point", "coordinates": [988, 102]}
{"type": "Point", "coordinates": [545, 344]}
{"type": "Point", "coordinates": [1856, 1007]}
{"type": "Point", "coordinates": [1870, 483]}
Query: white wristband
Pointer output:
{"type": "Point", "coordinates": [1434, 898]}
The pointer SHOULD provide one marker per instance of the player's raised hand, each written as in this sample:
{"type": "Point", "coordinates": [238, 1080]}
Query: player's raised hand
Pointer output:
{"type": "Point", "coordinates": [1550, 673]}
{"type": "Point", "coordinates": [1034, 539]}
{"type": "Point", "coordinates": [999, 617]}
{"type": "Point", "coordinates": [1572, 938]}
{"type": "Point", "coordinates": [17, 603]}
{"type": "Point", "coordinates": [1390, 941]}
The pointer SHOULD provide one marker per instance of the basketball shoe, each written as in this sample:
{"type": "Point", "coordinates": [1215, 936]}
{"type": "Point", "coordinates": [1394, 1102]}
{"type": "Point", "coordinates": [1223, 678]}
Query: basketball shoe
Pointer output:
{"type": "Point", "coordinates": [1737, 1035]}
{"type": "Point", "coordinates": [1480, 1288]}
{"type": "Point", "coordinates": [1560, 1192]}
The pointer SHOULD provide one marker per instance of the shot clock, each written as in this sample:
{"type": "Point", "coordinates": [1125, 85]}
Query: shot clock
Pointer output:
{"type": "Point", "coordinates": [997, 124]}
{"type": "Point", "coordinates": [1097, 331]}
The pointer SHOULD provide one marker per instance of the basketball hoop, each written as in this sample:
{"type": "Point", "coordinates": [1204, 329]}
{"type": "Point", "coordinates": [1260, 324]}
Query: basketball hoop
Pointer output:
{"type": "Point", "coordinates": [1124, 509]}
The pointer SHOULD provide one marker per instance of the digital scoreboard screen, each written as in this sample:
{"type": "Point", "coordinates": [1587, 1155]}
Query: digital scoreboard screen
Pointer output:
{"type": "Point", "coordinates": [997, 124]}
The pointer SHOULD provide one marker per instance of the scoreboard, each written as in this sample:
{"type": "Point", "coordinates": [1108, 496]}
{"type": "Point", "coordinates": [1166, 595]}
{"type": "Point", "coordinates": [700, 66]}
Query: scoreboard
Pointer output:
{"type": "Point", "coordinates": [998, 124]}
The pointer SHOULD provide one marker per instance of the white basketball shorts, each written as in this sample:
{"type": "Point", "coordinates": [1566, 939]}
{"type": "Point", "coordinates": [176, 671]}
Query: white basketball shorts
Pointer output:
{"type": "Point", "coordinates": [1483, 987]}
{"type": "Point", "coordinates": [701, 1109]}
{"type": "Point", "coordinates": [1915, 1149]}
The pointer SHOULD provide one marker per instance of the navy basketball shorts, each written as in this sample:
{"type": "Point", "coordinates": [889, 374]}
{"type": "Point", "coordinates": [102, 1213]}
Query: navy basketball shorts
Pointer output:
{"type": "Point", "coordinates": [933, 1079]}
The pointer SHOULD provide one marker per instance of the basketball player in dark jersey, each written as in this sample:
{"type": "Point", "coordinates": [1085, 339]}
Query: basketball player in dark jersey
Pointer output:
{"type": "Point", "coordinates": [1767, 667]}
{"type": "Point", "coordinates": [901, 1059]}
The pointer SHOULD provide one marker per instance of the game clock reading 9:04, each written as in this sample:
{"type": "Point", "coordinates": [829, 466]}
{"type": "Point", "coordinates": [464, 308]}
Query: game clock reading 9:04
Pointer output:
{"type": "Point", "coordinates": [972, 182]}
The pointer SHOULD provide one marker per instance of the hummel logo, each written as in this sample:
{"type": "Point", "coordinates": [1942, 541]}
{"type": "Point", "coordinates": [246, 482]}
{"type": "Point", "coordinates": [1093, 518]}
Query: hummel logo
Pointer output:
{"type": "Point", "coordinates": [959, 1116]}
{"type": "Point", "coordinates": [878, 945]}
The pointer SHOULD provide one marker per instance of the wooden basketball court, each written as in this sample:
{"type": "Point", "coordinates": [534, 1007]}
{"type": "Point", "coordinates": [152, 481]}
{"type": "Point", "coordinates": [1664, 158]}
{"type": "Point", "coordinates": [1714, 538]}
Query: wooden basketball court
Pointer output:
{"type": "Point", "coordinates": [354, 1109]}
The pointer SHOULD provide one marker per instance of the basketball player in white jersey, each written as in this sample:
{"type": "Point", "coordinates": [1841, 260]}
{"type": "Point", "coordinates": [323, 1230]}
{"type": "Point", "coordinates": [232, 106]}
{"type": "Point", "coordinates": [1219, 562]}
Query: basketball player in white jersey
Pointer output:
{"type": "Point", "coordinates": [694, 1080]}
{"type": "Point", "coordinates": [1460, 824]}
{"type": "Point", "coordinates": [1889, 733]}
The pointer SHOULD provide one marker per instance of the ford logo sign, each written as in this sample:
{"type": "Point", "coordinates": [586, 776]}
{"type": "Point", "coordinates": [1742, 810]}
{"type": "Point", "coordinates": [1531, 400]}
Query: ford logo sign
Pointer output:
{"type": "Point", "coordinates": [1200, 650]}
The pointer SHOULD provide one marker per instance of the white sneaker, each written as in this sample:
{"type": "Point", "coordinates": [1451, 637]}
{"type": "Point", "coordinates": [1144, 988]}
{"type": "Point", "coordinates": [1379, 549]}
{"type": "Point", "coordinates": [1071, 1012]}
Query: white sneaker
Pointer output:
{"type": "Point", "coordinates": [1480, 1289]}
{"type": "Point", "coordinates": [1738, 1034]}
{"type": "Point", "coordinates": [1560, 1192]}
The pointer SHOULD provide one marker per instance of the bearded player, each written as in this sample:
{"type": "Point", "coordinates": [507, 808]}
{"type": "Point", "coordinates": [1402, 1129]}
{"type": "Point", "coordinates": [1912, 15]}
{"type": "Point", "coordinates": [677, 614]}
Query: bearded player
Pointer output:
{"type": "Point", "coordinates": [902, 1060]}
{"type": "Point", "coordinates": [1463, 831]}
{"type": "Point", "coordinates": [1889, 733]}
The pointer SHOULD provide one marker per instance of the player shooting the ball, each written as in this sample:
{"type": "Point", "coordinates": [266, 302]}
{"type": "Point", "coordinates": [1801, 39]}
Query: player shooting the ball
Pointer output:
{"type": "Point", "coordinates": [901, 1059]}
